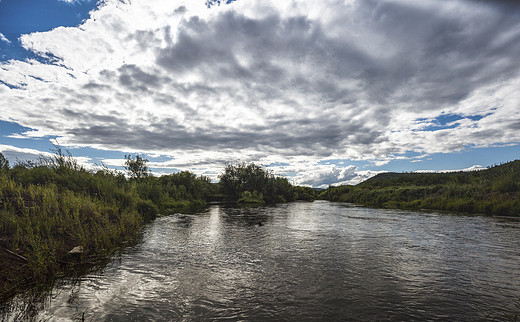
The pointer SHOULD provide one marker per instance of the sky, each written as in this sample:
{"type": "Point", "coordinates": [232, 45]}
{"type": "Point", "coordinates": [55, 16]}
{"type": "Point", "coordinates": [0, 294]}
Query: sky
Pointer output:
{"type": "Point", "coordinates": [323, 92]}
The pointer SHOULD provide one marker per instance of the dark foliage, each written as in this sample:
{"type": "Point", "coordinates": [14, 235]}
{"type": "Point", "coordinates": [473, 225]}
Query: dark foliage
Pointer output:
{"type": "Point", "coordinates": [4, 164]}
{"type": "Point", "coordinates": [136, 166]}
{"type": "Point", "coordinates": [258, 181]}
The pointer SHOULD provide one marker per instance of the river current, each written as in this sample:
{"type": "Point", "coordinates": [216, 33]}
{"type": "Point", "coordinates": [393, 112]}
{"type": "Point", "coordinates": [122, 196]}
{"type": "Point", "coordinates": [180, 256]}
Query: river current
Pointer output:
{"type": "Point", "coordinates": [304, 261]}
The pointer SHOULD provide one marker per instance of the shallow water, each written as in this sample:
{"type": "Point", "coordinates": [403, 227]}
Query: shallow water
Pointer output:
{"type": "Point", "coordinates": [304, 261]}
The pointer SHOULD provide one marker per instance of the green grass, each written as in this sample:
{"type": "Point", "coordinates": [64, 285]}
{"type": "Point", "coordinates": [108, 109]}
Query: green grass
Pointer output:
{"type": "Point", "coordinates": [494, 191]}
{"type": "Point", "coordinates": [42, 223]}
{"type": "Point", "coordinates": [49, 207]}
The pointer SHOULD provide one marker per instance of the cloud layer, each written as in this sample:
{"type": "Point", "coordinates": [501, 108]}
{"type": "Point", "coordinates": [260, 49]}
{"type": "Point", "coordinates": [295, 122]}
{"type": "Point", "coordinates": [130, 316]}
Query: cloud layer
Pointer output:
{"type": "Point", "coordinates": [274, 81]}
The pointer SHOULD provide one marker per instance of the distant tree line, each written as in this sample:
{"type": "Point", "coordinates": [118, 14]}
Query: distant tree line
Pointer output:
{"type": "Point", "coordinates": [257, 183]}
{"type": "Point", "coordinates": [493, 191]}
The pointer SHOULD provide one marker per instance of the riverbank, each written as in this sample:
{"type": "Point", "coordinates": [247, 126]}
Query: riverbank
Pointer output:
{"type": "Point", "coordinates": [55, 215]}
{"type": "Point", "coordinates": [303, 261]}
{"type": "Point", "coordinates": [494, 191]}
{"type": "Point", "coordinates": [41, 224]}
{"type": "Point", "coordinates": [47, 229]}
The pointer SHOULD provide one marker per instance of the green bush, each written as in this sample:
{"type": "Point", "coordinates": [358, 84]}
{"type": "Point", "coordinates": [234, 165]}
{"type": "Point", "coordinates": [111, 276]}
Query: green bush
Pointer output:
{"type": "Point", "coordinates": [147, 209]}
{"type": "Point", "coordinates": [251, 198]}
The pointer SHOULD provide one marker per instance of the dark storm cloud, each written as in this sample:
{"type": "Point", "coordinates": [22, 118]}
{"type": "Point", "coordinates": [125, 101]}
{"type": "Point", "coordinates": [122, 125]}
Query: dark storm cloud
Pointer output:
{"type": "Point", "coordinates": [439, 59]}
{"type": "Point", "coordinates": [500, 4]}
{"type": "Point", "coordinates": [308, 140]}
{"type": "Point", "coordinates": [93, 118]}
{"type": "Point", "coordinates": [218, 47]}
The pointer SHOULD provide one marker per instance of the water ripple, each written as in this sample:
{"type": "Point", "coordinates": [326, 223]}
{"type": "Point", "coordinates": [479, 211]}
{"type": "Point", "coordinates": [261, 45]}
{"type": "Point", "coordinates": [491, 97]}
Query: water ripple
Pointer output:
{"type": "Point", "coordinates": [305, 261]}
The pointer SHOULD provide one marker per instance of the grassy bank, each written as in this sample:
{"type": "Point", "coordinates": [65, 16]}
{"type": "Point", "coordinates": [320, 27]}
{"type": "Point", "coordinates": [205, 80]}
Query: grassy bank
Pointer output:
{"type": "Point", "coordinates": [493, 191]}
{"type": "Point", "coordinates": [52, 206]}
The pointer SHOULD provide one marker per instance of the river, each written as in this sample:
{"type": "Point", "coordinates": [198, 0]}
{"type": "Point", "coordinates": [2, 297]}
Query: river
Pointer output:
{"type": "Point", "coordinates": [304, 261]}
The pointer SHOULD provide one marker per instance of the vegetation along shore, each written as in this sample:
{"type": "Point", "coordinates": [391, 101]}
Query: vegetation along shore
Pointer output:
{"type": "Point", "coordinates": [494, 191]}
{"type": "Point", "coordinates": [55, 214]}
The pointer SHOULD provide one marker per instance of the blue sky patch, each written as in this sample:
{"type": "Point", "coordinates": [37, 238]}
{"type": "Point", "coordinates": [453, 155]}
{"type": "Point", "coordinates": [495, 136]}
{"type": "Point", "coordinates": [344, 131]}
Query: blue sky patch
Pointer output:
{"type": "Point", "coordinates": [456, 160]}
{"type": "Point", "coordinates": [18, 17]}
{"type": "Point", "coordinates": [278, 164]}
{"type": "Point", "coordinates": [448, 121]}
{"type": "Point", "coordinates": [8, 128]}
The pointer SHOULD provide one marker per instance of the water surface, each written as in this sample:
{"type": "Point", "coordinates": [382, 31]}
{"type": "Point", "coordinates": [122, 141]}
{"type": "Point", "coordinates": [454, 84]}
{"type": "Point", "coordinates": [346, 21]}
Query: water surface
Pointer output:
{"type": "Point", "coordinates": [304, 261]}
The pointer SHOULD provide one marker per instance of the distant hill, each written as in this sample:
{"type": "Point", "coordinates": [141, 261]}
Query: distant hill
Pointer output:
{"type": "Point", "coordinates": [493, 191]}
{"type": "Point", "coordinates": [504, 171]}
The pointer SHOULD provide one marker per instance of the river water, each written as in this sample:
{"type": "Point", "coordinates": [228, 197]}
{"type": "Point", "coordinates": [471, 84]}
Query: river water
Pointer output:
{"type": "Point", "coordinates": [304, 261]}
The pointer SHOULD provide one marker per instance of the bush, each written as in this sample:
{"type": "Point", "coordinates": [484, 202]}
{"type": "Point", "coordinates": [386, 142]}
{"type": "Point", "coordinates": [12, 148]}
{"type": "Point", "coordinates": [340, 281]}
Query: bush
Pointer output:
{"type": "Point", "coordinates": [147, 209]}
{"type": "Point", "coordinates": [251, 198]}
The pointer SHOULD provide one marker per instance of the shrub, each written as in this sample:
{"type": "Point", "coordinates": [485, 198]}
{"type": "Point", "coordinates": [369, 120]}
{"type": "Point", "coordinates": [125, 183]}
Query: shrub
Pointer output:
{"type": "Point", "coordinates": [147, 209]}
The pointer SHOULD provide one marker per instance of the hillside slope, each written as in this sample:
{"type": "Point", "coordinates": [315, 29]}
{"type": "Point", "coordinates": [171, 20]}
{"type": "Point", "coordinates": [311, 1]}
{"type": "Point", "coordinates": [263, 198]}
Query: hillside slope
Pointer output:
{"type": "Point", "coordinates": [493, 191]}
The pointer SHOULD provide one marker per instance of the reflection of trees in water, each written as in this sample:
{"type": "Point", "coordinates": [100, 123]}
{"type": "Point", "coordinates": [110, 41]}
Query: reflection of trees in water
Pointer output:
{"type": "Point", "coordinates": [24, 307]}
{"type": "Point", "coordinates": [27, 304]}
{"type": "Point", "coordinates": [185, 221]}
{"type": "Point", "coordinates": [36, 295]}
{"type": "Point", "coordinates": [245, 216]}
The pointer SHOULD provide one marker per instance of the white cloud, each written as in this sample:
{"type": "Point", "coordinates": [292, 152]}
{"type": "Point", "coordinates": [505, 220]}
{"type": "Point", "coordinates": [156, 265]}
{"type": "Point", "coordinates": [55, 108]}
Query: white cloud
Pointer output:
{"type": "Point", "coordinates": [283, 81]}
{"type": "Point", "coordinates": [475, 167]}
{"type": "Point", "coordinates": [320, 176]}
{"type": "Point", "coordinates": [15, 154]}
{"type": "Point", "coordinates": [3, 38]}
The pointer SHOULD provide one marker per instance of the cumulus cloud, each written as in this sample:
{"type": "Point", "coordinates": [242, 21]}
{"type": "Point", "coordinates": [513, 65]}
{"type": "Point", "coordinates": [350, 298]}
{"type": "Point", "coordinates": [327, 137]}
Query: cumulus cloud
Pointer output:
{"type": "Point", "coordinates": [293, 82]}
{"type": "Point", "coordinates": [325, 176]}
{"type": "Point", "coordinates": [13, 154]}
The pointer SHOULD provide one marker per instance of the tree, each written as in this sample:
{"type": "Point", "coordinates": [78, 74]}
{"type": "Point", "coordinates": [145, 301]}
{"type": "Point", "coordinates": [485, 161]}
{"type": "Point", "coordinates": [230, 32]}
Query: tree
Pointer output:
{"type": "Point", "coordinates": [136, 166]}
{"type": "Point", "coordinates": [239, 178]}
{"type": "Point", "coordinates": [4, 164]}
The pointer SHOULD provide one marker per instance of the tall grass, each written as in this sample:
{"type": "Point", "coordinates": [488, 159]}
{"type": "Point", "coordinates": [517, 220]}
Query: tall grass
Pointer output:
{"type": "Point", "coordinates": [51, 206]}
{"type": "Point", "coordinates": [42, 223]}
